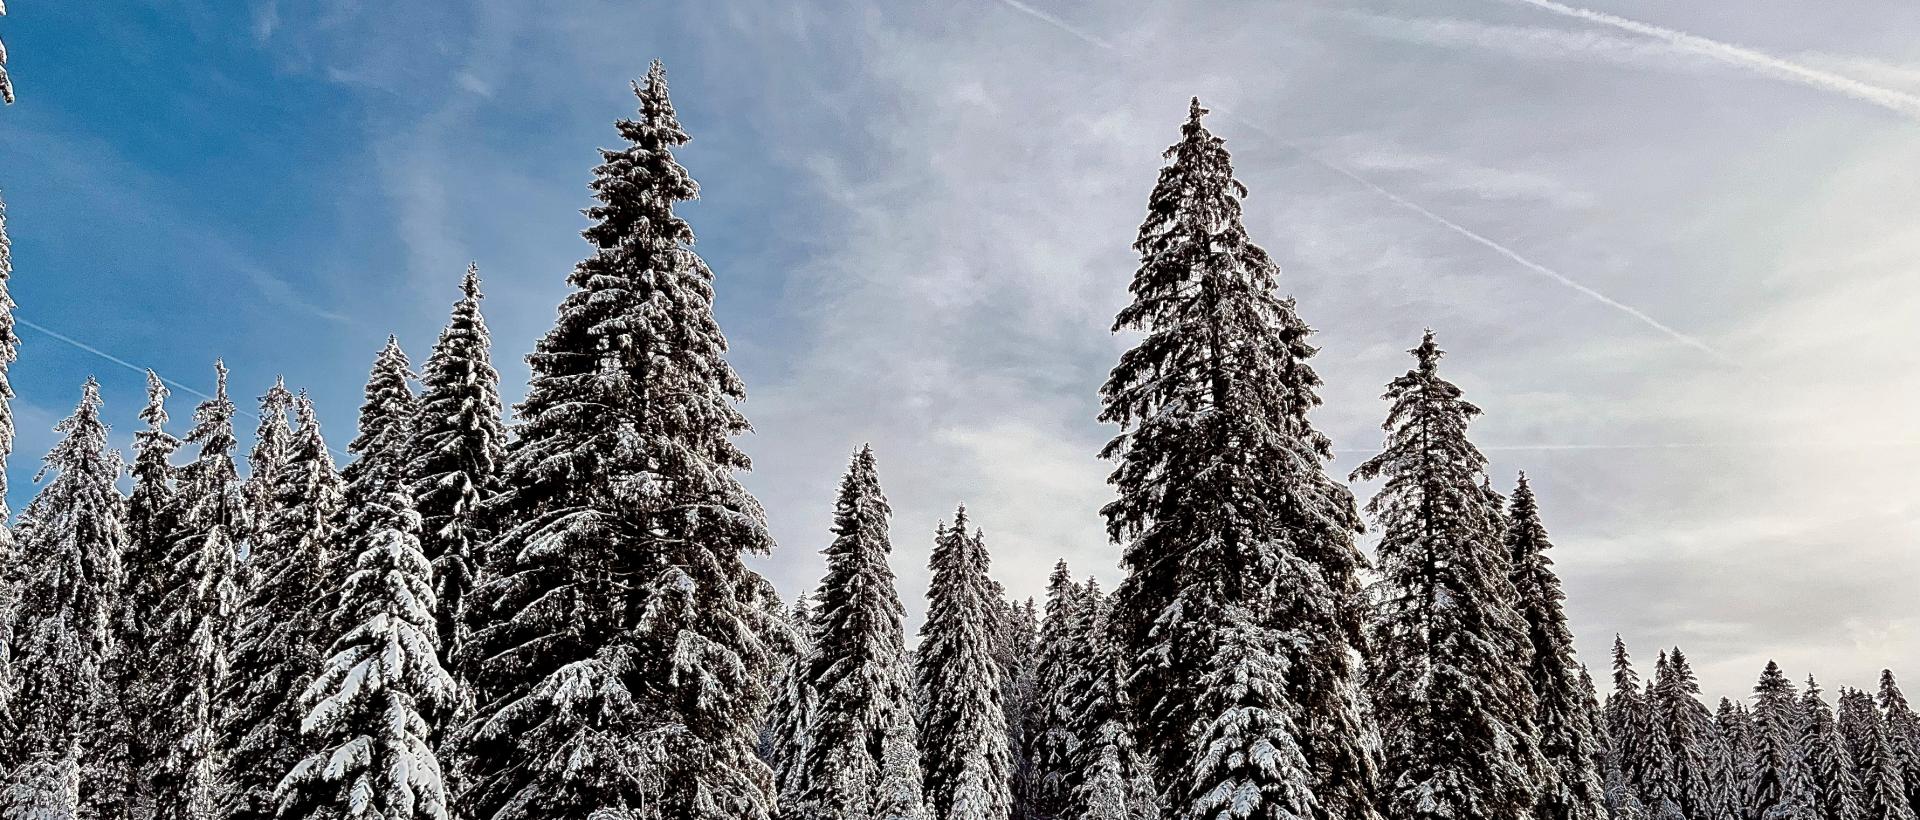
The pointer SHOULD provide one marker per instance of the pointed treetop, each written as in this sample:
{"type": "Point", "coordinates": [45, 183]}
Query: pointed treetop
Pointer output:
{"type": "Point", "coordinates": [1428, 353]}
{"type": "Point", "coordinates": [470, 284]}
{"type": "Point", "coordinates": [1195, 111]}
{"type": "Point", "coordinates": [155, 413]}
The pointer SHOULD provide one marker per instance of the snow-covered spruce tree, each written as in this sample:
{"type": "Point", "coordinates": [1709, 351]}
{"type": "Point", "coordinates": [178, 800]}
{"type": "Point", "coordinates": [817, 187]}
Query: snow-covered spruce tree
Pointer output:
{"type": "Point", "coordinates": [1653, 768]}
{"type": "Point", "coordinates": [283, 628]}
{"type": "Point", "coordinates": [1883, 789]}
{"type": "Point", "coordinates": [152, 519]}
{"type": "Point", "coordinates": [1733, 760]}
{"type": "Point", "coordinates": [65, 623]}
{"type": "Point", "coordinates": [1014, 654]}
{"type": "Point", "coordinates": [1835, 788]}
{"type": "Point", "coordinates": [790, 710]}
{"type": "Point", "coordinates": [857, 669]}
{"type": "Point", "coordinates": [1690, 736]}
{"type": "Point", "coordinates": [901, 795]}
{"type": "Point", "coordinates": [45, 788]}
{"type": "Point", "coordinates": [964, 756]}
{"type": "Point", "coordinates": [9, 340]}
{"type": "Point", "coordinates": [270, 442]}
{"type": "Point", "coordinates": [1108, 779]}
{"type": "Point", "coordinates": [1903, 734]}
{"type": "Point", "coordinates": [1564, 711]}
{"type": "Point", "coordinates": [1781, 785]}
{"type": "Point", "coordinates": [625, 663]}
{"type": "Point", "coordinates": [379, 448]}
{"type": "Point", "coordinates": [458, 444]}
{"type": "Point", "coordinates": [9, 351]}
{"type": "Point", "coordinates": [1455, 711]}
{"type": "Point", "coordinates": [371, 704]}
{"type": "Point", "coordinates": [1052, 728]}
{"type": "Point", "coordinates": [1231, 527]}
{"type": "Point", "coordinates": [198, 607]}
{"type": "Point", "coordinates": [1858, 721]}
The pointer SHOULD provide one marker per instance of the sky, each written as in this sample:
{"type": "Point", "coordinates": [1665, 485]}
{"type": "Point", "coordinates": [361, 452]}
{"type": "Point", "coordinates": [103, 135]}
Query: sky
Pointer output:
{"type": "Point", "coordinates": [1670, 249]}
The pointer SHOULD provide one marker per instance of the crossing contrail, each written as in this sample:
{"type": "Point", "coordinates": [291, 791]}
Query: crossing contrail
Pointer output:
{"type": "Point", "coordinates": [76, 343]}
{"type": "Point", "coordinates": [1898, 102]}
{"type": "Point", "coordinates": [1421, 210]}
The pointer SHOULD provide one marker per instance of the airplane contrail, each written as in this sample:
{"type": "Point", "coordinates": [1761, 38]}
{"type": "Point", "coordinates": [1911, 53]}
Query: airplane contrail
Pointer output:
{"type": "Point", "coordinates": [1898, 102]}
{"type": "Point", "coordinates": [1417, 208]}
{"type": "Point", "coordinates": [76, 343]}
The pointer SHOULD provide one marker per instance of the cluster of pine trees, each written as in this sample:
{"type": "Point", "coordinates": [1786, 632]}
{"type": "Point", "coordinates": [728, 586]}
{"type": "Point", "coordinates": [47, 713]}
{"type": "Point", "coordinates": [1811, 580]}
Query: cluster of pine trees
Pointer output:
{"type": "Point", "coordinates": [553, 619]}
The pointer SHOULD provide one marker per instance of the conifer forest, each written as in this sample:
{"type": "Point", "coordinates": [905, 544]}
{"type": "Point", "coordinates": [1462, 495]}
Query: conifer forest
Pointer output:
{"type": "Point", "coordinates": [549, 610]}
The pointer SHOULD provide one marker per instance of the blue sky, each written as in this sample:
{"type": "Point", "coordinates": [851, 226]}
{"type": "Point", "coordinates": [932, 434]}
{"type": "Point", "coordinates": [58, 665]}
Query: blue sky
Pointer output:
{"type": "Point", "coordinates": [1671, 248]}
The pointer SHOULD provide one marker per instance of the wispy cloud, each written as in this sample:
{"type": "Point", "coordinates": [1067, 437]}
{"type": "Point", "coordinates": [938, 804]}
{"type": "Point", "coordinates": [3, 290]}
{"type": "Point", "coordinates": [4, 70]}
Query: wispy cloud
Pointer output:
{"type": "Point", "coordinates": [1427, 213]}
{"type": "Point", "coordinates": [1898, 102]}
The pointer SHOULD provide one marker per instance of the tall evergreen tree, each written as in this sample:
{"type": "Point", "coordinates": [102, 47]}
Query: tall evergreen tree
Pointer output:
{"type": "Point", "coordinates": [1015, 655]}
{"type": "Point", "coordinates": [379, 448]}
{"type": "Point", "coordinates": [282, 632]}
{"type": "Point", "coordinates": [9, 351]}
{"type": "Point", "coordinates": [69, 608]}
{"type": "Point", "coordinates": [1564, 711]}
{"type": "Point", "coordinates": [1624, 716]}
{"type": "Point", "coordinates": [1781, 785]}
{"type": "Point", "coordinates": [1835, 788]}
{"type": "Point", "coordinates": [1903, 734]}
{"type": "Point", "coordinates": [199, 604]}
{"type": "Point", "coordinates": [271, 440]}
{"type": "Point", "coordinates": [858, 667]}
{"type": "Point", "coordinates": [1653, 766]}
{"type": "Point", "coordinates": [624, 654]}
{"type": "Point", "coordinates": [1883, 790]}
{"type": "Point", "coordinates": [152, 519]}
{"type": "Point", "coordinates": [458, 444]}
{"type": "Point", "coordinates": [964, 756]}
{"type": "Point", "coordinates": [1733, 763]}
{"type": "Point", "coordinates": [1108, 779]}
{"type": "Point", "coordinates": [371, 704]}
{"type": "Point", "coordinates": [790, 710]}
{"type": "Point", "coordinates": [1858, 721]}
{"type": "Point", "coordinates": [1690, 736]}
{"type": "Point", "coordinates": [1052, 729]}
{"type": "Point", "coordinates": [1237, 542]}
{"type": "Point", "coordinates": [1456, 714]}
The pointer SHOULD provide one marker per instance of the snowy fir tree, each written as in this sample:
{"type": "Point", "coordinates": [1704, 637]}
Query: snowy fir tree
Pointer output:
{"type": "Point", "coordinates": [1052, 719]}
{"type": "Point", "coordinates": [65, 626]}
{"type": "Point", "coordinates": [1835, 787]}
{"type": "Point", "coordinates": [1565, 713]}
{"type": "Point", "coordinates": [1781, 785]}
{"type": "Point", "coordinates": [1903, 734]}
{"type": "Point", "coordinates": [624, 660]}
{"type": "Point", "coordinates": [858, 667]}
{"type": "Point", "coordinates": [964, 756]}
{"type": "Point", "coordinates": [1106, 777]}
{"type": "Point", "coordinates": [45, 788]}
{"type": "Point", "coordinates": [371, 703]}
{"type": "Point", "coordinates": [1236, 541]}
{"type": "Point", "coordinates": [388, 410]}
{"type": "Point", "coordinates": [458, 443]}
{"type": "Point", "coordinates": [197, 611]}
{"type": "Point", "coordinates": [152, 515]}
{"type": "Point", "coordinates": [282, 630]}
{"type": "Point", "coordinates": [1014, 654]}
{"type": "Point", "coordinates": [269, 453]}
{"type": "Point", "coordinates": [1733, 759]}
{"type": "Point", "coordinates": [1858, 721]}
{"type": "Point", "coordinates": [1653, 767]}
{"type": "Point", "coordinates": [1455, 711]}
{"type": "Point", "coordinates": [901, 794]}
{"type": "Point", "coordinates": [1883, 786]}
{"type": "Point", "coordinates": [790, 710]}
{"type": "Point", "coordinates": [1690, 735]}
{"type": "Point", "coordinates": [9, 340]}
